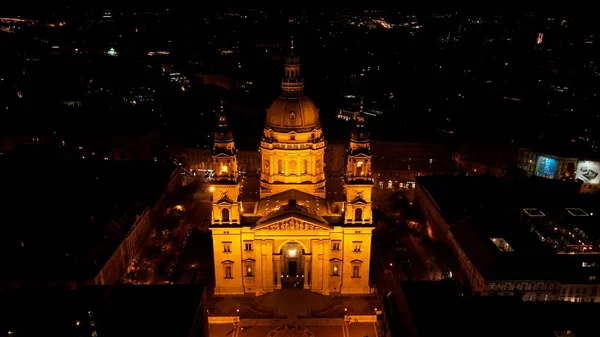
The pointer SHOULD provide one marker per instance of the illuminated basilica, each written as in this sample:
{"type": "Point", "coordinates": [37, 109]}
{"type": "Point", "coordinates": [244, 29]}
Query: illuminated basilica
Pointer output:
{"type": "Point", "coordinates": [292, 236]}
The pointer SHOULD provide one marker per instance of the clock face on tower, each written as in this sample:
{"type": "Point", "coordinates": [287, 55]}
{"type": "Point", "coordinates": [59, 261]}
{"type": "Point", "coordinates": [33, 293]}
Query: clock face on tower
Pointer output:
{"type": "Point", "coordinates": [359, 194]}
{"type": "Point", "coordinates": [224, 194]}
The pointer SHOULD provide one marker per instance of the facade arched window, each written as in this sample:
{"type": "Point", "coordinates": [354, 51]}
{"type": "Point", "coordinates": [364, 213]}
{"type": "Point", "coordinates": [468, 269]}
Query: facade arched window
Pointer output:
{"type": "Point", "coordinates": [225, 214]}
{"type": "Point", "coordinates": [304, 166]}
{"type": "Point", "coordinates": [358, 214]}
{"type": "Point", "coordinates": [292, 167]}
{"type": "Point", "coordinates": [360, 168]}
{"type": "Point", "coordinates": [280, 166]}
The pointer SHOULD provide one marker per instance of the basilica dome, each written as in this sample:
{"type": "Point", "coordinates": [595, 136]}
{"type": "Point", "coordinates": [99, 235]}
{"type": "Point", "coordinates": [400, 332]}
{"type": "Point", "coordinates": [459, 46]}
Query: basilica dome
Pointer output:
{"type": "Point", "coordinates": [291, 113]}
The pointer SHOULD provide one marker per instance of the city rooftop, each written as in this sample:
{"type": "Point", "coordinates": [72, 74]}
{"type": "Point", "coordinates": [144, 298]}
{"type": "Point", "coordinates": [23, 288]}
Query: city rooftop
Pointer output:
{"type": "Point", "coordinates": [498, 223]}
{"type": "Point", "coordinates": [65, 216]}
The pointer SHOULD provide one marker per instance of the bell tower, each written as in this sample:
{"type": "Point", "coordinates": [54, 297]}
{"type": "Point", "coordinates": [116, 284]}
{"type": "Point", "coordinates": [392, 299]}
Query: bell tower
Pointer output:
{"type": "Point", "coordinates": [225, 187]}
{"type": "Point", "coordinates": [359, 182]}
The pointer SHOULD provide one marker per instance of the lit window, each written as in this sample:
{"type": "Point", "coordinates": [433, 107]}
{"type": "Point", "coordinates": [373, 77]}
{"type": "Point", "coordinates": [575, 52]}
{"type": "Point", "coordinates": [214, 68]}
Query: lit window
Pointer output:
{"type": "Point", "coordinates": [430, 161]}
{"type": "Point", "coordinates": [227, 247]}
{"type": "Point", "coordinates": [357, 246]}
{"type": "Point", "coordinates": [249, 270]}
{"type": "Point", "coordinates": [335, 246]}
{"type": "Point", "coordinates": [224, 169]}
{"type": "Point", "coordinates": [335, 271]}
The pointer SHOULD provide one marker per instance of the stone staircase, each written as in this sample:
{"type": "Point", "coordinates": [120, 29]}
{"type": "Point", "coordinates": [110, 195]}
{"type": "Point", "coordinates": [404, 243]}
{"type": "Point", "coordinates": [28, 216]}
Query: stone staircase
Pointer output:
{"type": "Point", "coordinates": [333, 309]}
{"type": "Point", "coordinates": [249, 309]}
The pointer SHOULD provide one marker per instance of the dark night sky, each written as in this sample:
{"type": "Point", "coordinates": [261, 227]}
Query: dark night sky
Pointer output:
{"type": "Point", "coordinates": [25, 8]}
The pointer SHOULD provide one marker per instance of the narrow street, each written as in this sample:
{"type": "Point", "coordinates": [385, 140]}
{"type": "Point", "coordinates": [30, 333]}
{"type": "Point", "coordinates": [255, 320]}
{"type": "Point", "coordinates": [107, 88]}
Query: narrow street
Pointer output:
{"type": "Point", "coordinates": [388, 281]}
{"type": "Point", "coordinates": [193, 266]}
{"type": "Point", "coordinates": [387, 240]}
{"type": "Point", "coordinates": [418, 269]}
{"type": "Point", "coordinates": [199, 213]}
{"type": "Point", "coordinates": [166, 254]}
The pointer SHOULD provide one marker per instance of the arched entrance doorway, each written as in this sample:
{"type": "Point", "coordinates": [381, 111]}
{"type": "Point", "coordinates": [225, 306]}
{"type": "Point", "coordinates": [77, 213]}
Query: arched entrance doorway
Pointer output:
{"type": "Point", "coordinates": [293, 266]}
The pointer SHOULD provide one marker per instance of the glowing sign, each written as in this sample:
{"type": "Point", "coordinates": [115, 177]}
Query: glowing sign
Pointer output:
{"type": "Point", "coordinates": [545, 167]}
{"type": "Point", "coordinates": [540, 38]}
{"type": "Point", "coordinates": [588, 171]}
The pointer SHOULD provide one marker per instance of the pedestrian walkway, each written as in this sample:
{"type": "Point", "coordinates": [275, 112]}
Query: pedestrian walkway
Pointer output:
{"type": "Point", "coordinates": [293, 304]}
{"type": "Point", "coordinates": [300, 328]}
{"type": "Point", "coordinates": [293, 312]}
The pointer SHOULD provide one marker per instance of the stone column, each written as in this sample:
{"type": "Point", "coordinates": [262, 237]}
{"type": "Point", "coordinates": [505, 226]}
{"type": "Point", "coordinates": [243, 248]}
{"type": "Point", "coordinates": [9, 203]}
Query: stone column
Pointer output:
{"type": "Point", "coordinates": [277, 271]}
{"type": "Point", "coordinates": [267, 257]}
{"type": "Point", "coordinates": [325, 266]}
{"type": "Point", "coordinates": [259, 267]}
{"type": "Point", "coordinates": [306, 271]}
{"type": "Point", "coordinates": [317, 263]}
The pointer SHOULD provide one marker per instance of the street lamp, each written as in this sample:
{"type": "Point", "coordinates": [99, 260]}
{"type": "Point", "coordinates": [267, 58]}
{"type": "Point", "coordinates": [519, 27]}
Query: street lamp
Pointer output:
{"type": "Point", "coordinates": [212, 188]}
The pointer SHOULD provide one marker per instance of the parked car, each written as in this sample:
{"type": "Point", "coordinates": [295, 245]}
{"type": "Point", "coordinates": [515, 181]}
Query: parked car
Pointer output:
{"type": "Point", "coordinates": [401, 257]}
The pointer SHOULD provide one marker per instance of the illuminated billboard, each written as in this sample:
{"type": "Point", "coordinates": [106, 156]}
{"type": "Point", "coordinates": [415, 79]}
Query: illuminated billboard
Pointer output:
{"type": "Point", "coordinates": [588, 171]}
{"type": "Point", "coordinates": [545, 167]}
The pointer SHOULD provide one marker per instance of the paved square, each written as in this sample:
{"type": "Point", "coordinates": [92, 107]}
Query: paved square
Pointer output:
{"type": "Point", "coordinates": [303, 328]}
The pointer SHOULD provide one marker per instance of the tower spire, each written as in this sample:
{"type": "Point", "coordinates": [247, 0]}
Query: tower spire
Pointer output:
{"type": "Point", "coordinates": [360, 133]}
{"type": "Point", "coordinates": [292, 84]}
{"type": "Point", "coordinates": [221, 114]}
{"type": "Point", "coordinates": [360, 117]}
{"type": "Point", "coordinates": [360, 111]}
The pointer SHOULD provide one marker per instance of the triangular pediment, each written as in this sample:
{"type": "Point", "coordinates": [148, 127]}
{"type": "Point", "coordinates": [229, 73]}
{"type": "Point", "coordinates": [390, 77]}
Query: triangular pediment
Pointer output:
{"type": "Point", "coordinates": [225, 201]}
{"type": "Point", "coordinates": [223, 154]}
{"type": "Point", "coordinates": [335, 259]}
{"type": "Point", "coordinates": [359, 201]}
{"type": "Point", "coordinates": [361, 154]}
{"type": "Point", "coordinates": [227, 262]}
{"type": "Point", "coordinates": [292, 223]}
